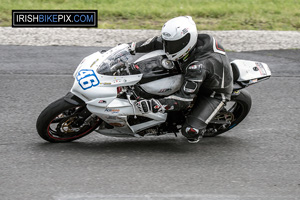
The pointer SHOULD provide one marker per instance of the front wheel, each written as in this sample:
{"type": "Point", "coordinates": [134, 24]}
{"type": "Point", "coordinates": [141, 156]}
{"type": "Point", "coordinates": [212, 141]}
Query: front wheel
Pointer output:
{"type": "Point", "coordinates": [231, 115]}
{"type": "Point", "coordinates": [65, 122]}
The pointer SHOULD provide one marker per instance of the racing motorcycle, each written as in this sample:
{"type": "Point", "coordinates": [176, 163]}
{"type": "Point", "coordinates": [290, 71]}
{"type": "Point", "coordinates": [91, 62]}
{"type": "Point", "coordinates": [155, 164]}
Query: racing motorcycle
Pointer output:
{"type": "Point", "coordinates": [108, 84]}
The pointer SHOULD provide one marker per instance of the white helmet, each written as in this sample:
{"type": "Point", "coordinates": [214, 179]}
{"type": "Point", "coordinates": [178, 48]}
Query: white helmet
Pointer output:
{"type": "Point", "coordinates": [179, 37]}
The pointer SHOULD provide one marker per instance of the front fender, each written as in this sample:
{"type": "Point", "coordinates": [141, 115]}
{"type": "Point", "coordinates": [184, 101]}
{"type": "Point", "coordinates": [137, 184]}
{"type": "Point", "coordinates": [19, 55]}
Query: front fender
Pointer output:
{"type": "Point", "coordinates": [73, 99]}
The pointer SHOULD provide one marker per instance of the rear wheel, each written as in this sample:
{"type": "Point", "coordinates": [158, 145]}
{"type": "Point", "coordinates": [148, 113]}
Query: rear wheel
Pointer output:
{"type": "Point", "coordinates": [231, 115]}
{"type": "Point", "coordinates": [65, 122]}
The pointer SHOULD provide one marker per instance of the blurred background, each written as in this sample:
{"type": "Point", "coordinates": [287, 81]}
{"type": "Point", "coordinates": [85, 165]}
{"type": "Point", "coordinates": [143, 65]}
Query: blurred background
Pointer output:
{"type": "Point", "coordinates": [152, 14]}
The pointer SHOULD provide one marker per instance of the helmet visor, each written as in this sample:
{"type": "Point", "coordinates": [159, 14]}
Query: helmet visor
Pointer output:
{"type": "Point", "coordinates": [175, 46]}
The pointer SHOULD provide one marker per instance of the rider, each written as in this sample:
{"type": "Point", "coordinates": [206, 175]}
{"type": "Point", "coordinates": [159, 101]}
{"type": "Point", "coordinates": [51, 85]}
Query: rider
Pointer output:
{"type": "Point", "coordinates": [206, 69]}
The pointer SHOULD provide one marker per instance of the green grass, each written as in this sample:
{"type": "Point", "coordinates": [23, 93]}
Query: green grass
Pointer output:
{"type": "Point", "coordinates": [151, 14]}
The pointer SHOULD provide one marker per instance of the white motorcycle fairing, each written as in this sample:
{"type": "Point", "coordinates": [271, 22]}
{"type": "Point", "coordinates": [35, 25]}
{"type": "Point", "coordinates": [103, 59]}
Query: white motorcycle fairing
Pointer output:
{"type": "Point", "coordinates": [250, 72]}
{"type": "Point", "coordinates": [99, 92]}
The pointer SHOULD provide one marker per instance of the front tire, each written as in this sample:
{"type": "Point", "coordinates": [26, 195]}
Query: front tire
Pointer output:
{"type": "Point", "coordinates": [64, 122]}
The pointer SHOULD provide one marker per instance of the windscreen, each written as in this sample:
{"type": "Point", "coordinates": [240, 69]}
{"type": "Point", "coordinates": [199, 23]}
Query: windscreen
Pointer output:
{"type": "Point", "coordinates": [113, 62]}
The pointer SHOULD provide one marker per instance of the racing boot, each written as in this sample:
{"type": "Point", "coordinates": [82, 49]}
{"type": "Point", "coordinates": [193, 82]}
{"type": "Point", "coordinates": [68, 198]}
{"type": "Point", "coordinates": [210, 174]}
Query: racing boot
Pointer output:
{"type": "Point", "coordinates": [193, 135]}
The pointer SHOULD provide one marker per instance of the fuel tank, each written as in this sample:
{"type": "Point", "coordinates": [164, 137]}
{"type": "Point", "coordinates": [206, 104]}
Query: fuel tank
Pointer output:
{"type": "Point", "coordinates": [164, 86]}
{"type": "Point", "coordinates": [158, 80]}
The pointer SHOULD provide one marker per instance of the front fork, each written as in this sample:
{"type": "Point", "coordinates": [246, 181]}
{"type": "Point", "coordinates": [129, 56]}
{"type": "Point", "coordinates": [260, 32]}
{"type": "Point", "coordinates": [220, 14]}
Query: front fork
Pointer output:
{"type": "Point", "coordinates": [74, 100]}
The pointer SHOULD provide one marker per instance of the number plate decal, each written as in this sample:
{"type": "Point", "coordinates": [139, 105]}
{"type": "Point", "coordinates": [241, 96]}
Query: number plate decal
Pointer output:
{"type": "Point", "coordinates": [87, 78]}
{"type": "Point", "coordinates": [261, 68]}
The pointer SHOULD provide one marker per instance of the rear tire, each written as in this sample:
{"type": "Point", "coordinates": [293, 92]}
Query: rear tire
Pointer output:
{"type": "Point", "coordinates": [239, 111]}
{"type": "Point", "coordinates": [64, 122]}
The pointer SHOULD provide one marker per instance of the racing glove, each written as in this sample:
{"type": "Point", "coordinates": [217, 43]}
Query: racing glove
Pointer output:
{"type": "Point", "coordinates": [132, 48]}
{"type": "Point", "coordinates": [152, 105]}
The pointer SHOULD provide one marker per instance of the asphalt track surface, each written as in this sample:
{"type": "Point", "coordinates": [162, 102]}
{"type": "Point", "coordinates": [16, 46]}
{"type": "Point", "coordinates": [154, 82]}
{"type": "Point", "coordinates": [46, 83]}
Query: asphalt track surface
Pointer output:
{"type": "Point", "coordinates": [259, 159]}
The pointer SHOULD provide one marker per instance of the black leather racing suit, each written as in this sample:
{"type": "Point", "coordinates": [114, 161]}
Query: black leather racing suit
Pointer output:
{"type": "Point", "coordinates": [207, 75]}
